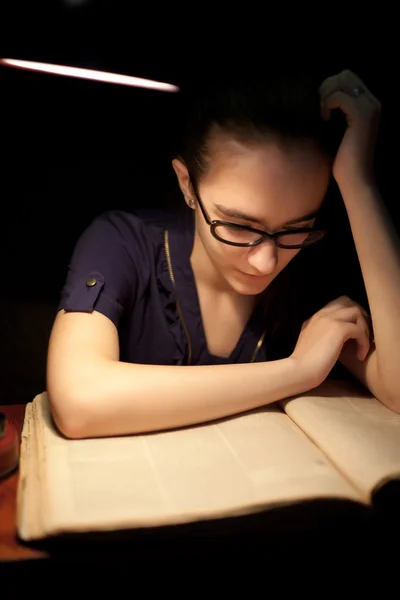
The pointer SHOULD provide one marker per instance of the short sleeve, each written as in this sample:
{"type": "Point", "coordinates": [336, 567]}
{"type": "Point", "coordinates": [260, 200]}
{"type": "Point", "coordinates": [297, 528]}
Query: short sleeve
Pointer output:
{"type": "Point", "coordinates": [102, 274]}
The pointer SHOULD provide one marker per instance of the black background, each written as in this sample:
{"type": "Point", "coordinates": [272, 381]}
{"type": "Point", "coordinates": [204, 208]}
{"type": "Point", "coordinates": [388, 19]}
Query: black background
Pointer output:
{"type": "Point", "coordinates": [71, 149]}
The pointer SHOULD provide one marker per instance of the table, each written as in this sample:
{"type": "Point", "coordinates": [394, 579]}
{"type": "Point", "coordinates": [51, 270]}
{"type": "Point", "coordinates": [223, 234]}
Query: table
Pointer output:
{"type": "Point", "coordinates": [10, 547]}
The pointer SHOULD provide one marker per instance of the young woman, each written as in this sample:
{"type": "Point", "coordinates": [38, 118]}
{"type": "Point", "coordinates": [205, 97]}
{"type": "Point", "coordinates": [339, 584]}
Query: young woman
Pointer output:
{"type": "Point", "coordinates": [170, 318]}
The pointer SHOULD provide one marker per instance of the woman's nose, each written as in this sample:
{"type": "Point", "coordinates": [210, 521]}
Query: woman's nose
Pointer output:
{"type": "Point", "coordinates": [264, 257]}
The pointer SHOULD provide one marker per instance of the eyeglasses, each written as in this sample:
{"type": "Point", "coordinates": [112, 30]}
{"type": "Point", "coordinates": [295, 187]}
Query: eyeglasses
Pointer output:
{"type": "Point", "coordinates": [242, 235]}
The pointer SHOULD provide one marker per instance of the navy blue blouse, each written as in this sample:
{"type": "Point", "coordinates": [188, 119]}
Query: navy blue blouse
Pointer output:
{"type": "Point", "coordinates": [135, 269]}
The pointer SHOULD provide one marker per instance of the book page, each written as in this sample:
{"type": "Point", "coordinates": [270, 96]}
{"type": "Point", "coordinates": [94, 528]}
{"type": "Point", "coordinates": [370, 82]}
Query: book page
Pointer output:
{"type": "Point", "coordinates": [356, 431]}
{"type": "Point", "coordinates": [30, 493]}
{"type": "Point", "coordinates": [230, 467]}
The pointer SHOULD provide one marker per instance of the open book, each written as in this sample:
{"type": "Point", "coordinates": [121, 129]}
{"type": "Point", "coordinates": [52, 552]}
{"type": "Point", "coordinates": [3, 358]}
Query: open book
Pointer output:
{"type": "Point", "coordinates": [333, 442]}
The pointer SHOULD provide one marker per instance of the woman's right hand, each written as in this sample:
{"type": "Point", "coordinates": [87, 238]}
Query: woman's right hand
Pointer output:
{"type": "Point", "coordinates": [323, 336]}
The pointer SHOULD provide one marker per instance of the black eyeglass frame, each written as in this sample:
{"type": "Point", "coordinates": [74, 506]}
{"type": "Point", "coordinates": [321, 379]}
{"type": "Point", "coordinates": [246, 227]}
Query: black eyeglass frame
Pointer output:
{"type": "Point", "coordinates": [264, 235]}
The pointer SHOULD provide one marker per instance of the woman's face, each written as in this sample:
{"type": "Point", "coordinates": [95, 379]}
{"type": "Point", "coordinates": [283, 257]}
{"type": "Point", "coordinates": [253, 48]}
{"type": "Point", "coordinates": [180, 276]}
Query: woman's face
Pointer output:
{"type": "Point", "coordinates": [267, 187]}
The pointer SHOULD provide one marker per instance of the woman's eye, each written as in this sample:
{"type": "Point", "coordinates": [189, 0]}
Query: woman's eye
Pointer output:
{"type": "Point", "coordinates": [301, 226]}
{"type": "Point", "coordinates": [237, 225]}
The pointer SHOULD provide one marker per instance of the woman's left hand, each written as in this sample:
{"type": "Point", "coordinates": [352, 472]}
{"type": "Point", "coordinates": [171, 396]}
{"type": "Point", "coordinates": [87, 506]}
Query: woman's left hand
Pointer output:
{"type": "Point", "coordinates": [354, 160]}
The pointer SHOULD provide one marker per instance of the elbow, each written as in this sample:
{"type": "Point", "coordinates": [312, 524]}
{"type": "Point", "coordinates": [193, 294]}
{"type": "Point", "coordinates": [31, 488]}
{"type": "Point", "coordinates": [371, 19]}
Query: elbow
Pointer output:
{"type": "Point", "coordinates": [71, 429]}
{"type": "Point", "coordinates": [70, 416]}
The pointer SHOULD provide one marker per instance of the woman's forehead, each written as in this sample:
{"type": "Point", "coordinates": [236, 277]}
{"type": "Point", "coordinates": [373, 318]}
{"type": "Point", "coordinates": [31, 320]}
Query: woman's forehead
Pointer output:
{"type": "Point", "coordinates": [265, 166]}
{"type": "Point", "coordinates": [227, 155]}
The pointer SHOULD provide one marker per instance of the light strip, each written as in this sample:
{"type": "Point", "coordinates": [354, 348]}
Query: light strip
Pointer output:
{"type": "Point", "coordinates": [90, 74]}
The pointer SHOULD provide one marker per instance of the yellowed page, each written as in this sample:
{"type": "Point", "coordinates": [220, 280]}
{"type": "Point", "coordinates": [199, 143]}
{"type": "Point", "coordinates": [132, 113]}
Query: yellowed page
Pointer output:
{"type": "Point", "coordinates": [358, 433]}
{"type": "Point", "coordinates": [30, 493]}
{"type": "Point", "coordinates": [23, 493]}
{"type": "Point", "coordinates": [235, 466]}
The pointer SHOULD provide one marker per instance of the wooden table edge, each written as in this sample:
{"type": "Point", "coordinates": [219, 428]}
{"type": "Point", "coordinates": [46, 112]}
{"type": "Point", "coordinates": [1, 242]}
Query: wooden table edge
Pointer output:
{"type": "Point", "coordinates": [11, 547]}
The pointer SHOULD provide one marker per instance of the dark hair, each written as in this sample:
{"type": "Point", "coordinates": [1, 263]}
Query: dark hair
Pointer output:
{"type": "Point", "coordinates": [283, 108]}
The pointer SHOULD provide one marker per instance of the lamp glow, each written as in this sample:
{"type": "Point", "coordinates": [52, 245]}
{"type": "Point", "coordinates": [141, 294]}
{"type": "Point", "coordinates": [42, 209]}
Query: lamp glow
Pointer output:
{"type": "Point", "coordinates": [90, 74]}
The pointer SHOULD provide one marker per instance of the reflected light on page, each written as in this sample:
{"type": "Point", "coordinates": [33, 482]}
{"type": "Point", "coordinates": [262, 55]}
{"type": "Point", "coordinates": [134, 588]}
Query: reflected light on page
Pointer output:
{"type": "Point", "coordinates": [90, 74]}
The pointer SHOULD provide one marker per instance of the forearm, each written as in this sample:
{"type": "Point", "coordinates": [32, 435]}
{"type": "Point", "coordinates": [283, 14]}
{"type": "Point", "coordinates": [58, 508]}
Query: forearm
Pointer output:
{"type": "Point", "coordinates": [378, 249]}
{"type": "Point", "coordinates": [122, 398]}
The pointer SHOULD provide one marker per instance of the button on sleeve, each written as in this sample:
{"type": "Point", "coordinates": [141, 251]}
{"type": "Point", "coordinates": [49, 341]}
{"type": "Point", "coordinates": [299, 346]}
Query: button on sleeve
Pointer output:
{"type": "Point", "coordinates": [85, 292]}
{"type": "Point", "coordinates": [102, 274]}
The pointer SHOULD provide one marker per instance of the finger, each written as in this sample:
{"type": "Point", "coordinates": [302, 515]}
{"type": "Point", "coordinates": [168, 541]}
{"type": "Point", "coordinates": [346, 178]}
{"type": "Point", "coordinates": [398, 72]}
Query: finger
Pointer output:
{"type": "Point", "coordinates": [349, 80]}
{"type": "Point", "coordinates": [353, 315]}
{"type": "Point", "coordinates": [340, 100]}
{"type": "Point", "coordinates": [345, 81]}
{"type": "Point", "coordinates": [328, 91]}
{"type": "Point", "coordinates": [363, 337]}
{"type": "Point", "coordinates": [353, 331]}
{"type": "Point", "coordinates": [342, 302]}
{"type": "Point", "coordinates": [364, 345]}
{"type": "Point", "coordinates": [351, 348]}
{"type": "Point", "coordinates": [347, 301]}
{"type": "Point", "coordinates": [330, 83]}
{"type": "Point", "coordinates": [350, 314]}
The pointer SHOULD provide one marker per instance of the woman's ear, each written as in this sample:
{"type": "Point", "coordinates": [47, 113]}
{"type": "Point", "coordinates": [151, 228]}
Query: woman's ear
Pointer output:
{"type": "Point", "coordinates": [182, 175]}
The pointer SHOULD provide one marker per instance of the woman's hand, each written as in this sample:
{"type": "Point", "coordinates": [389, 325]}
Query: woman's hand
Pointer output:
{"type": "Point", "coordinates": [354, 159]}
{"type": "Point", "coordinates": [323, 336]}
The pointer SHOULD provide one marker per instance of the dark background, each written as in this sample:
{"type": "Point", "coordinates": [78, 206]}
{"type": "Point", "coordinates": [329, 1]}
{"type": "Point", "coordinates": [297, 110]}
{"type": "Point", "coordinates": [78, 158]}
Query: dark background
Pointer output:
{"type": "Point", "coordinates": [71, 149]}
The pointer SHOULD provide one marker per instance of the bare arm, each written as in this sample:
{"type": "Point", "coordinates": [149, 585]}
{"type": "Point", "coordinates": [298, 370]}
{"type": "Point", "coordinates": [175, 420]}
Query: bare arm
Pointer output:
{"type": "Point", "coordinates": [93, 394]}
{"type": "Point", "coordinates": [380, 266]}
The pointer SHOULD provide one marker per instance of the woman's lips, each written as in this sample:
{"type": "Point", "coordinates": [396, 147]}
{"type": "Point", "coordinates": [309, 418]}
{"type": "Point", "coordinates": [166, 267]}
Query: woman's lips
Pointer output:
{"type": "Point", "coordinates": [253, 276]}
